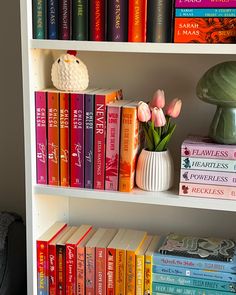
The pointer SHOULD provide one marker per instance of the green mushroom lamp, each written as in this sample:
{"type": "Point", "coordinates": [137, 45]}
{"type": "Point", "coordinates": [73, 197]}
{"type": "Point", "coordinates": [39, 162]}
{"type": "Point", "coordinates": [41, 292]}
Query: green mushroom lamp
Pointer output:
{"type": "Point", "coordinates": [218, 86]}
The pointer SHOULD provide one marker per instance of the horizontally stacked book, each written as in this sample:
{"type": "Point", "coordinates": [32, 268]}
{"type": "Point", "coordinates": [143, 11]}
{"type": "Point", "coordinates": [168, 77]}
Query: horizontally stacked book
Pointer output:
{"type": "Point", "coordinates": [208, 169]}
{"type": "Point", "coordinates": [205, 21]}
{"type": "Point", "coordinates": [88, 140]}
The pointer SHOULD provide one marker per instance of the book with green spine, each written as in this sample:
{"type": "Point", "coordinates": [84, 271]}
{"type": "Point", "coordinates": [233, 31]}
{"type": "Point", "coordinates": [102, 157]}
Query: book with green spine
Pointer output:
{"type": "Point", "coordinates": [39, 19]}
{"type": "Point", "coordinates": [80, 20]}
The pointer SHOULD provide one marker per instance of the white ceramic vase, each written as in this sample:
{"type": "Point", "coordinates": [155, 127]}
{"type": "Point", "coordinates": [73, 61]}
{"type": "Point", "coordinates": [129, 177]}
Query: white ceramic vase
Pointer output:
{"type": "Point", "coordinates": [155, 171]}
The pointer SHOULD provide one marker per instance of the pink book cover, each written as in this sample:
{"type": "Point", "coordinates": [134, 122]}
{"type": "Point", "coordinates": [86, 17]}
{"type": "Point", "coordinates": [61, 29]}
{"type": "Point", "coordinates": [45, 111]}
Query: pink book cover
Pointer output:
{"type": "Point", "coordinates": [77, 140]}
{"type": "Point", "coordinates": [81, 270]}
{"type": "Point", "coordinates": [90, 270]}
{"type": "Point", "coordinates": [41, 136]}
{"type": "Point", "coordinates": [111, 265]}
{"type": "Point", "coordinates": [52, 269]}
{"type": "Point", "coordinates": [208, 177]}
{"type": "Point", "coordinates": [100, 271]}
{"type": "Point", "coordinates": [207, 191]}
{"type": "Point", "coordinates": [204, 147]}
{"type": "Point", "coordinates": [205, 3]}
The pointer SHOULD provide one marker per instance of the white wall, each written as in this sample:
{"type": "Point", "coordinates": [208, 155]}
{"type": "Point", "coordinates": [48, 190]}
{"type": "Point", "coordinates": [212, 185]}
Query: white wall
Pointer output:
{"type": "Point", "coordinates": [11, 111]}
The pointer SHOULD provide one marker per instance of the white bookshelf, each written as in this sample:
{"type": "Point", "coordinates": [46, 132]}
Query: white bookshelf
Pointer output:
{"type": "Point", "coordinates": [139, 69]}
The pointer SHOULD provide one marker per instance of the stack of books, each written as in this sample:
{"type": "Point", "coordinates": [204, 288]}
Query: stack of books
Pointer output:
{"type": "Point", "coordinates": [193, 265]}
{"type": "Point", "coordinates": [87, 140]}
{"type": "Point", "coordinates": [207, 169]}
{"type": "Point", "coordinates": [205, 21]}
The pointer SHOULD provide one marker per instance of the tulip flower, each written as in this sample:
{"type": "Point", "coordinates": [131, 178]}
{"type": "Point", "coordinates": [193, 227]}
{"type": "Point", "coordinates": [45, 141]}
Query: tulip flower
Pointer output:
{"type": "Point", "coordinates": [158, 100]}
{"type": "Point", "coordinates": [158, 117]}
{"type": "Point", "coordinates": [144, 113]}
{"type": "Point", "coordinates": [174, 108]}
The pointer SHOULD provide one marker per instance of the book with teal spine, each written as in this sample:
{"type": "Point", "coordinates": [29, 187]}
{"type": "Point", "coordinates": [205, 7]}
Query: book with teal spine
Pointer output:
{"type": "Point", "coordinates": [194, 282]}
{"type": "Point", "coordinates": [39, 19]}
{"type": "Point", "coordinates": [205, 12]}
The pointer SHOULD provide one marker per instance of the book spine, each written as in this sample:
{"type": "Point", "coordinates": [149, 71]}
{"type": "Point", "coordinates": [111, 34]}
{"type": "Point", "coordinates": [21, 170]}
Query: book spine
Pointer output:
{"type": "Point", "coordinates": [205, 3]}
{"type": "Point", "coordinates": [174, 289]}
{"type": "Point", "coordinates": [208, 177]}
{"type": "Point", "coordinates": [97, 20]}
{"type": "Point", "coordinates": [41, 136]}
{"type": "Point", "coordinates": [100, 271]}
{"type": "Point", "coordinates": [52, 269]}
{"type": "Point", "coordinates": [117, 20]}
{"type": "Point", "coordinates": [39, 19]}
{"type": "Point", "coordinates": [130, 272]}
{"type": "Point", "coordinates": [137, 21]}
{"type": "Point", "coordinates": [196, 273]}
{"type": "Point", "coordinates": [207, 191]}
{"type": "Point", "coordinates": [81, 271]}
{"type": "Point", "coordinates": [159, 21]}
{"type": "Point", "coordinates": [89, 142]}
{"type": "Point", "coordinates": [64, 140]}
{"type": "Point", "coordinates": [148, 274]}
{"type": "Point", "coordinates": [90, 271]}
{"type": "Point", "coordinates": [198, 151]}
{"type": "Point", "coordinates": [71, 269]}
{"type": "Point", "coordinates": [53, 139]}
{"type": "Point", "coordinates": [77, 140]}
{"type": "Point", "coordinates": [80, 19]}
{"type": "Point", "coordinates": [65, 19]}
{"type": "Point", "coordinates": [61, 269]}
{"type": "Point", "coordinates": [140, 275]}
{"type": "Point", "coordinates": [205, 12]}
{"type": "Point", "coordinates": [120, 272]}
{"type": "Point", "coordinates": [52, 18]}
{"type": "Point", "coordinates": [204, 30]}
{"type": "Point", "coordinates": [42, 268]}
{"type": "Point", "coordinates": [112, 148]}
{"type": "Point", "coordinates": [193, 282]}
{"type": "Point", "coordinates": [208, 164]}
{"type": "Point", "coordinates": [111, 265]}
{"type": "Point", "coordinates": [174, 261]}
{"type": "Point", "coordinates": [129, 148]}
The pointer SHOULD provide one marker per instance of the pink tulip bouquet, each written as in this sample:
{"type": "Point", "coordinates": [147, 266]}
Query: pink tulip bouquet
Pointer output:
{"type": "Point", "coordinates": [157, 124]}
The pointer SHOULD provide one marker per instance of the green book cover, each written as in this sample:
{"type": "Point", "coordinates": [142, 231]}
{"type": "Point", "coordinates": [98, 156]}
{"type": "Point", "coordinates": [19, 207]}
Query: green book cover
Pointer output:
{"type": "Point", "coordinates": [39, 19]}
{"type": "Point", "coordinates": [80, 20]}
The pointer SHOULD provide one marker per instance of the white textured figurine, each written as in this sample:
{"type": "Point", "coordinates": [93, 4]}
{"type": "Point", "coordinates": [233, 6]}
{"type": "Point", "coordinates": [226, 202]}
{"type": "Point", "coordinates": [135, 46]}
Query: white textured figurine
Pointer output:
{"type": "Point", "coordinates": [69, 73]}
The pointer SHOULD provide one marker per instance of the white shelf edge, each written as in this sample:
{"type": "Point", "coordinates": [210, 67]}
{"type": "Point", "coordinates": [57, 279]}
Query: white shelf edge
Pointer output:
{"type": "Point", "coordinates": [167, 198]}
{"type": "Point", "coordinates": [172, 48]}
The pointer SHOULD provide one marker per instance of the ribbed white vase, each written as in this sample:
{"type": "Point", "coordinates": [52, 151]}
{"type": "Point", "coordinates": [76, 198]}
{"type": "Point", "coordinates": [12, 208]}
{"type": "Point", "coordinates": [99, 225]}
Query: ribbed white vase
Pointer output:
{"type": "Point", "coordinates": [154, 171]}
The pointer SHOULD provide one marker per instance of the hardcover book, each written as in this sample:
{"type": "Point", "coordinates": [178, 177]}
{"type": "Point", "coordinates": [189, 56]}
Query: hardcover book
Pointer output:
{"type": "Point", "coordinates": [52, 19]}
{"type": "Point", "coordinates": [205, 30]}
{"type": "Point", "coordinates": [41, 136]}
{"type": "Point", "coordinates": [159, 21]}
{"type": "Point", "coordinates": [39, 19]}
{"type": "Point", "coordinates": [43, 258]}
{"type": "Point", "coordinates": [97, 20]}
{"type": "Point", "coordinates": [65, 16]}
{"type": "Point", "coordinates": [80, 19]}
{"type": "Point", "coordinates": [205, 12]}
{"type": "Point", "coordinates": [205, 3]}
{"type": "Point", "coordinates": [117, 20]}
{"type": "Point", "coordinates": [137, 19]}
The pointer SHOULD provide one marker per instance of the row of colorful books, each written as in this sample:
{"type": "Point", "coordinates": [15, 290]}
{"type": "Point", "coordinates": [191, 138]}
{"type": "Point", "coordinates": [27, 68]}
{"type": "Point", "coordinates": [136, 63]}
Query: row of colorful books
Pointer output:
{"type": "Point", "coordinates": [87, 260]}
{"type": "Point", "coordinates": [208, 169]}
{"type": "Point", "coordinates": [86, 140]}
{"type": "Point", "coordinates": [205, 21]}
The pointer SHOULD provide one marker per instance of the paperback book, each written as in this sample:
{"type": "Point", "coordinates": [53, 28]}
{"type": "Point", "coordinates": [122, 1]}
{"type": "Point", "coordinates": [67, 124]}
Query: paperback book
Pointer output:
{"type": "Point", "coordinates": [205, 12]}
{"type": "Point", "coordinates": [206, 3]}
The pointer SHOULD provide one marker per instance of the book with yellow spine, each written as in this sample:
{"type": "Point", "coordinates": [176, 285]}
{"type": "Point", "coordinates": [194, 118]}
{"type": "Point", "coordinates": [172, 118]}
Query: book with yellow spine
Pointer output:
{"type": "Point", "coordinates": [148, 264]}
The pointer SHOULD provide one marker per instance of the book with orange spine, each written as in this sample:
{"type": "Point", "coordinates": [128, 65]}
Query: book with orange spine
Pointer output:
{"type": "Point", "coordinates": [64, 140]}
{"type": "Point", "coordinates": [53, 138]}
{"type": "Point", "coordinates": [130, 146]}
{"type": "Point", "coordinates": [137, 20]}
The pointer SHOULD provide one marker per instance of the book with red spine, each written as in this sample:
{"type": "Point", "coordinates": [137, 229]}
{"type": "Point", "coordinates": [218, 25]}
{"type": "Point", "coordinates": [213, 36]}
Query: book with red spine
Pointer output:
{"type": "Point", "coordinates": [43, 256]}
{"type": "Point", "coordinates": [71, 258]}
{"type": "Point", "coordinates": [52, 254]}
{"type": "Point", "coordinates": [137, 20]}
{"type": "Point", "coordinates": [101, 261]}
{"type": "Point", "coordinates": [65, 19]}
{"type": "Point", "coordinates": [53, 138]}
{"type": "Point", "coordinates": [61, 260]}
{"type": "Point", "coordinates": [101, 101]}
{"type": "Point", "coordinates": [77, 139]}
{"type": "Point", "coordinates": [64, 140]}
{"type": "Point", "coordinates": [41, 136]}
{"type": "Point", "coordinates": [97, 20]}
{"type": "Point", "coordinates": [81, 263]}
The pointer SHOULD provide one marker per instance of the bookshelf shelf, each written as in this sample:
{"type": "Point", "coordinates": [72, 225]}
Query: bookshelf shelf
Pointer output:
{"type": "Point", "coordinates": [167, 198]}
{"type": "Point", "coordinates": [170, 48]}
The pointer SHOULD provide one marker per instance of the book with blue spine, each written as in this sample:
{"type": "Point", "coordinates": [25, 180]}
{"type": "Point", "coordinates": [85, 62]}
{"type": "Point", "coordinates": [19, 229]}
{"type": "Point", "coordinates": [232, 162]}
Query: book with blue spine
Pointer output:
{"type": "Point", "coordinates": [193, 282]}
{"type": "Point", "coordinates": [52, 19]}
{"type": "Point", "coordinates": [194, 273]}
{"type": "Point", "coordinates": [205, 12]}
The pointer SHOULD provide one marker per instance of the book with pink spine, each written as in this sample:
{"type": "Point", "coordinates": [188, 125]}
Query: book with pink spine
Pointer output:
{"type": "Point", "coordinates": [205, 4]}
{"type": "Point", "coordinates": [41, 136]}
{"type": "Point", "coordinates": [113, 144]}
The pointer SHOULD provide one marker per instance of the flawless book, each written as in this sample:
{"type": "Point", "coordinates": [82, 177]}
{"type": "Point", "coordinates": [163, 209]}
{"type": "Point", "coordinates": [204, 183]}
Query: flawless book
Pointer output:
{"type": "Point", "coordinates": [65, 19]}
{"type": "Point", "coordinates": [80, 19]}
{"type": "Point", "coordinates": [137, 19]}
{"type": "Point", "coordinates": [39, 19]}
{"type": "Point", "coordinates": [97, 14]}
{"type": "Point", "coordinates": [52, 19]}
{"type": "Point", "coordinates": [205, 3]}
